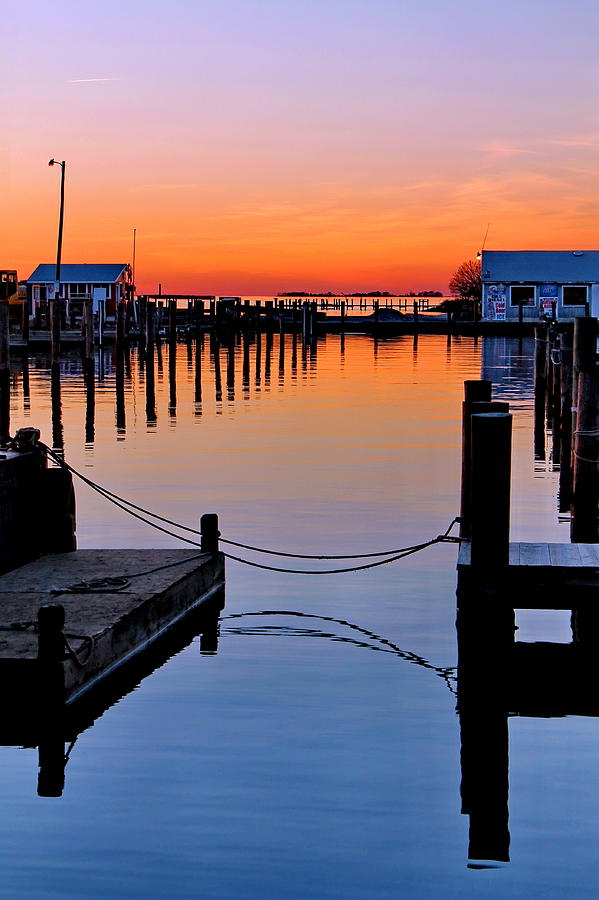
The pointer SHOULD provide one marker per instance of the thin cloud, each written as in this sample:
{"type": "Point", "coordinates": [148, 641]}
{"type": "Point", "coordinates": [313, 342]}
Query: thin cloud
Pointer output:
{"type": "Point", "coordinates": [87, 80]}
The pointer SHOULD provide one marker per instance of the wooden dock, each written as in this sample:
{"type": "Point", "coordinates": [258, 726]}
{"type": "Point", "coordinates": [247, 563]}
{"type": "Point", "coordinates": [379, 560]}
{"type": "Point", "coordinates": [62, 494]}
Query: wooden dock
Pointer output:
{"type": "Point", "coordinates": [105, 628]}
{"type": "Point", "coordinates": [545, 575]}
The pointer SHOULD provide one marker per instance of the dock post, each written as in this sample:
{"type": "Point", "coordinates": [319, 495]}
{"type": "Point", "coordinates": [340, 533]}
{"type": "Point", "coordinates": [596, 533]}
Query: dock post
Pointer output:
{"type": "Point", "coordinates": [342, 316]}
{"type": "Point", "coordinates": [51, 653]}
{"type": "Point", "coordinates": [557, 400]}
{"type": "Point", "coordinates": [565, 473]}
{"type": "Point", "coordinates": [172, 321]}
{"type": "Point", "coordinates": [150, 325]}
{"type": "Point", "coordinates": [313, 318]}
{"type": "Point", "coordinates": [540, 389]}
{"type": "Point", "coordinates": [474, 391]}
{"type": "Point", "coordinates": [491, 438]}
{"type": "Point", "coordinates": [4, 374]}
{"type": "Point", "coordinates": [121, 317]}
{"type": "Point", "coordinates": [210, 533]}
{"type": "Point", "coordinates": [416, 313]}
{"type": "Point", "coordinates": [88, 320]}
{"type": "Point", "coordinates": [585, 500]}
{"type": "Point", "coordinates": [376, 314]}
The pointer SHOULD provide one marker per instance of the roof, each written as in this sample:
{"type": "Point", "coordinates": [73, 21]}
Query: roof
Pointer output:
{"type": "Point", "coordinates": [80, 273]}
{"type": "Point", "coordinates": [562, 266]}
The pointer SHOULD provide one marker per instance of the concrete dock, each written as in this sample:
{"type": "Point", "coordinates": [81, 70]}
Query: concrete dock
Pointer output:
{"type": "Point", "coordinates": [105, 627]}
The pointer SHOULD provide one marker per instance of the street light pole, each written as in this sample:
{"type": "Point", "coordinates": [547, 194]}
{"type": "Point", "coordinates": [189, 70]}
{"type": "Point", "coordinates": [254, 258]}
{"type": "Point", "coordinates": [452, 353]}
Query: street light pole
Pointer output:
{"type": "Point", "coordinates": [55, 307]}
{"type": "Point", "coordinates": [63, 166]}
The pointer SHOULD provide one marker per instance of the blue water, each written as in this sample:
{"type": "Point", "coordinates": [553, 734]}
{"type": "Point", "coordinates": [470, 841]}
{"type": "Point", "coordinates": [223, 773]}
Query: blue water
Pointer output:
{"type": "Point", "coordinates": [305, 758]}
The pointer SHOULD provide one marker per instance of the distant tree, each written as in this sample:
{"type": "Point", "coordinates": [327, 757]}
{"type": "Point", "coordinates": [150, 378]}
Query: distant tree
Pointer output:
{"type": "Point", "coordinates": [466, 282]}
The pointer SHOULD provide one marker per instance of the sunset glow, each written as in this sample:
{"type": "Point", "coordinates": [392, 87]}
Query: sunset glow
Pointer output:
{"type": "Point", "coordinates": [265, 147]}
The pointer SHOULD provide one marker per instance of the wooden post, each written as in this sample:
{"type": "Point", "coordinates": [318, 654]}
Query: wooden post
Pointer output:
{"type": "Point", "coordinates": [474, 391]}
{"type": "Point", "coordinates": [210, 533]}
{"type": "Point", "coordinates": [557, 400]}
{"type": "Point", "coordinates": [584, 525]}
{"type": "Point", "coordinates": [25, 321]}
{"type": "Point", "coordinates": [583, 360]}
{"type": "Point", "coordinates": [313, 318]}
{"type": "Point", "coordinates": [416, 312]}
{"type": "Point", "coordinates": [198, 314]}
{"type": "Point", "coordinates": [305, 320]}
{"type": "Point", "coordinates": [376, 313]}
{"type": "Point", "coordinates": [491, 463]}
{"type": "Point", "coordinates": [51, 654]}
{"type": "Point", "coordinates": [565, 472]}
{"type": "Point", "coordinates": [540, 389]}
{"type": "Point", "coordinates": [121, 318]}
{"type": "Point", "coordinates": [150, 325]}
{"type": "Point", "coordinates": [88, 319]}
{"type": "Point", "coordinates": [172, 321]}
{"type": "Point", "coordinates": [4, 374]}
{"type": "Point", "coordinates": [342, 316]}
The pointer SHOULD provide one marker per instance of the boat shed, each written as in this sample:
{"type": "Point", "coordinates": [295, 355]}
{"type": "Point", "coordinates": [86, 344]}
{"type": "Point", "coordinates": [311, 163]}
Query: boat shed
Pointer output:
{"type": "Point", "coordinates": [106, 282]}
{"type": "Point", "coordinates": [528, 283]}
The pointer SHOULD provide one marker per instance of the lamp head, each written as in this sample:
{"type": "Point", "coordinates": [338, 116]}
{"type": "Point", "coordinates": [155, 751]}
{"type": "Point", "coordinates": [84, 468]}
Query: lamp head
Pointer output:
{"type": "Point", "coordinates": [52, 161]}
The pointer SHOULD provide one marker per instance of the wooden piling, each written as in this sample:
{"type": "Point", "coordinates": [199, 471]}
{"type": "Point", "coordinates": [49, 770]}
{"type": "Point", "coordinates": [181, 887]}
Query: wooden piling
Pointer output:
{"type": "Point", "coordinates": [172, 321]}
{"type": "Point", "coordinates": [540, 387]}
{"type": "Point", "coordinates": [4, 374]}
{"type": "Point", "coordinates": [416, 312]}
{"type": "Point", "coordinates": [88, 324]}
{"type": "Point", "coordinates": [121, 322]}
{"type": "Point", "coordinates": [150, 325]}
{"type": "Point", "coordinates": [491, 441]}
{"type": "Point", "coordinates": [199, 341]}
{"type": "Point", "coordinates": [474, 391]}
{"type": "Point", "coordinates": [557, 400]}
{"type": "Point", "coordinates": [585, 496]}
{"type": "Point", "coordinates": [209, 532]}
{"type": "Point", "coordinates": [342, 316]}
{"type": "Point", "coordinates": [565, 474]}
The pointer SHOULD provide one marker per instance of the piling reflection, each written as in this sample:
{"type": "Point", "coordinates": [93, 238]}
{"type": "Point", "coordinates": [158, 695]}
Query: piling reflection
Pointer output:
{"type": "Point", "coordinates": [55, 727]}
{"type": "Point", "coordinates": [499, 677]}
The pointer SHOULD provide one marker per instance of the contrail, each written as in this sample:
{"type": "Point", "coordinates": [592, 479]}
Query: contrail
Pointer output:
{"type": "Point", "coordinates": [82, 80]}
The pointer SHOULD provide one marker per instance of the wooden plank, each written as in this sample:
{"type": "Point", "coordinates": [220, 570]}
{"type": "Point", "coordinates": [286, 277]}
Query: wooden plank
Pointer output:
{"type": "Point", "coordinates": [534, 555]}
{"type": "Point", "coordinates": [565, 555]}
{"type": "Point", "coordinates": [589, 554]}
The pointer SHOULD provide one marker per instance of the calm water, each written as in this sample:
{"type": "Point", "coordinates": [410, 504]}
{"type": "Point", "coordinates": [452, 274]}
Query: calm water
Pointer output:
{"type": "Point", "coordinates": [305, 758]}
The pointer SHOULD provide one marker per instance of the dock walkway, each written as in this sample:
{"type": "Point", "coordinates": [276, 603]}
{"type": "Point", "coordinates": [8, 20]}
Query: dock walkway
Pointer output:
{"type": "Point", "coordinates": [107, 627]}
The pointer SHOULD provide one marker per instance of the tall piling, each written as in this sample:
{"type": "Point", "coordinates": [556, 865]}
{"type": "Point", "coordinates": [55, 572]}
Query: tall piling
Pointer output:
{"type": "Point", "coordinates": [583, 526]}
{"type": "Point", "coordinates": [540, 379]}
{"type": "Point", "coordinates": [565, 474]}
{"type": "Point", "coordinates": [474, 391]}
{"type": "Point", "coordinates": [4, 374]}
{"type": "Point", "coordinates": [491, 442]}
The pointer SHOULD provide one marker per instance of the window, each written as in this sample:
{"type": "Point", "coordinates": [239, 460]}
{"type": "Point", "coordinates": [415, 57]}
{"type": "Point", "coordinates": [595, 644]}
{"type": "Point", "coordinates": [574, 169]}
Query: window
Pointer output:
{"type": "Point", "coordinates": [522, 295]}
{"type": "Point", "coordinates": [574, 294]}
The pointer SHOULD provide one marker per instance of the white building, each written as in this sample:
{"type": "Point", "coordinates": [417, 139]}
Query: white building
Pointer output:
{"type": "Point", "coordinates": [539, 281]}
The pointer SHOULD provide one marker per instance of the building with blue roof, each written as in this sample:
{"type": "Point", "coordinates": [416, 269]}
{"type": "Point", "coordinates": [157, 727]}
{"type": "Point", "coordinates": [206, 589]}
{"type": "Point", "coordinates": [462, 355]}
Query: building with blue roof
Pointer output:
{"type": "Point", "coordinates": [100, 282]}
{"type": "Point", "coordinates": [529, 283]}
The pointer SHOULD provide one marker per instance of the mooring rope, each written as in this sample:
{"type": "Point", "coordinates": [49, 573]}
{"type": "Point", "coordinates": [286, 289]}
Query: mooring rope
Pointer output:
{"type": "Point", "coordinates": [136, 511]}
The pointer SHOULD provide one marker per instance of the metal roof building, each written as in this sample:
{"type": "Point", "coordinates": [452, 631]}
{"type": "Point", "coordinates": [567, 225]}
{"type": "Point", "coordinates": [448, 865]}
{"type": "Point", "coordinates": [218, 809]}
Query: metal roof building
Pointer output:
{"type": "Point", "coordinates": [540, 281]}
{"type": "Point", "coordinates": [101, 282]}
{"type": "Point", "coordinates": [79, 273]}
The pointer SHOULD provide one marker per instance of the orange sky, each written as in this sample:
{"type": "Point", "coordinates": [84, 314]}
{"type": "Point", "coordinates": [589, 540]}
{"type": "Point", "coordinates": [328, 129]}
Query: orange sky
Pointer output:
{"type": "Point", "coordinates": [267, 150]}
